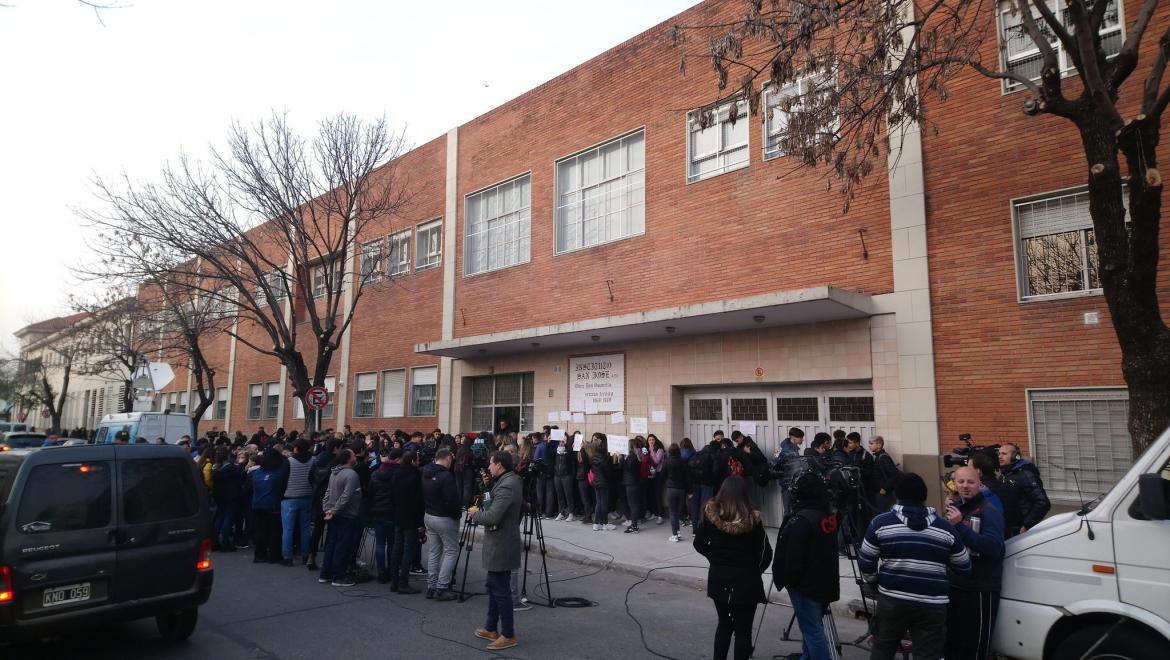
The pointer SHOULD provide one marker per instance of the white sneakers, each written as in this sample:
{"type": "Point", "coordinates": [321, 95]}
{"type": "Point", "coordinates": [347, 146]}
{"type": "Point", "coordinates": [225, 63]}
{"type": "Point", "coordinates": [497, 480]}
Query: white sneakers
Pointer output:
{"type": "Point", "coordinates": [596, 527]}
{"type": "Point", "coordinates": [610, 527]}
{"type": "Point", "coordinates": [675, 539]}
{"type": "Point", "coordinates": [658, 520]}
{"type": "Point", "coordinates": [560, 516]}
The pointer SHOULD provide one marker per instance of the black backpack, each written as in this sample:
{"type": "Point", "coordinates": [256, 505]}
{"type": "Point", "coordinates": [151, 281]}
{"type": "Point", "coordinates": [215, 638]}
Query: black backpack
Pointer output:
{"type": "Point", "coordinates": [700, 467]}
{"type": "Point", "coordinates": [778, 555]}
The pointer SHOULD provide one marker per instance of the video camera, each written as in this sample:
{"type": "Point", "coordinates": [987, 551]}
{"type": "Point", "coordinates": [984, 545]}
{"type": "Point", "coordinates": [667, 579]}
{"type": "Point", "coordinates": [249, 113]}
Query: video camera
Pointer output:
{"type": "Point", "coordinates": [960, 456]}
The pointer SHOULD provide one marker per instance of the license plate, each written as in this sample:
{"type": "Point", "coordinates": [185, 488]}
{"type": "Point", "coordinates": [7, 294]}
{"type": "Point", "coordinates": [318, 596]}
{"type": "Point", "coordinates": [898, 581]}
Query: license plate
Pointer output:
{"type": "Point", "coordinates": [72, 593]}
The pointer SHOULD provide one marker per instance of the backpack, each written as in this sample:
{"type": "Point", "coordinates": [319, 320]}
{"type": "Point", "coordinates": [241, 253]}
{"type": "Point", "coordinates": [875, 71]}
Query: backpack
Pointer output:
{"type": "Point", "coordinates": [779, 556]}
{"type": "Point", "coordinates": [699, 467]}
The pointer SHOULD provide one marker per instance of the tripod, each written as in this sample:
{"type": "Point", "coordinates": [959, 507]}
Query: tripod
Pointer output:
{"type": "Point", "coordinates": [466, 542]}
{"type": "Point", "coordinates": [531, 524]}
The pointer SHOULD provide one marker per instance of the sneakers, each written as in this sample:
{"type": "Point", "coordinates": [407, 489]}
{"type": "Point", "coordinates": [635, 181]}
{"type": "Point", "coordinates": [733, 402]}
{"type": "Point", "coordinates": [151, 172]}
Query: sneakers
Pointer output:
{"type": "Point", "coordinates": [560, 517]}
{"type": "Point", "coordinates": [430, 593]}
{"type": "Point", "coordinates": [344, 582]}
{"type": "Point", "coordinates": [322, 580]}
{"type": "Point", "coordinates": [610, 527]}
{"type": "Point", "coordinates": [596, 527]}
{"type": "Point", "coordinates": [675, 538]}
{"type": "Point", "coordinates": [418, 571]}
{"type": "Point", "coordinates": [627, 523]}
{"type": "Point", "coordinates": [658, 520]}
{"type": "Point", "coordinates": [520, 606]}
{"type": "Point", "coordinates": [632, 529]}
{"type": "Point", "coordinates": [442, 595]}
{"type": "Point", "coordinates": [570, 518]}
{"type": "Point", "coordinates": [483, 633]}
{"type": "Point", "coordinates": [502, 643]}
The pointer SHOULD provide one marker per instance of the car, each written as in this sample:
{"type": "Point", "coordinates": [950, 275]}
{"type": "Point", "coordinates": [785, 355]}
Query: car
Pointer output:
{"type": "Point", "coordinates": [150, 425]}
{"type": "Point", "coordinates": [7, 427]}
{"type": "Point", "coordinates": [102, 533]}
{"type": "Point", "coordinates": [21, 440]}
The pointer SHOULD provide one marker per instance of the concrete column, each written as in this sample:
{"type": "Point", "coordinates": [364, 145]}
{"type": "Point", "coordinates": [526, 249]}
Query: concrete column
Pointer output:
{"type": "Point", "coordinates": [447, 414]}
{"type": "Point", "coordinates": [347, 301]}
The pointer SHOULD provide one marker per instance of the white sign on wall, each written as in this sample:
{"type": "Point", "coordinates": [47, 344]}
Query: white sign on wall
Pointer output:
{"type": "Point", "coordinates": [599, 380]}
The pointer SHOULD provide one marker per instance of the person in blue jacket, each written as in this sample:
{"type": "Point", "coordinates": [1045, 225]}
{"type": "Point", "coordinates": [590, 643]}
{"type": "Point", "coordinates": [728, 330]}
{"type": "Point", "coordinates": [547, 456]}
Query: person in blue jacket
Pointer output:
{"type": "Point", "coordinates": [974, 597]}
{"type": "Point", "coordinates": [267, 489]}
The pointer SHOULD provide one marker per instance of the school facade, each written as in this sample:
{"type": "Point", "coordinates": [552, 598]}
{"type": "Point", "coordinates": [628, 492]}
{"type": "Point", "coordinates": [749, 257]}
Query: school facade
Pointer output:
{"type": "Point", "coordinates": [589, 248]}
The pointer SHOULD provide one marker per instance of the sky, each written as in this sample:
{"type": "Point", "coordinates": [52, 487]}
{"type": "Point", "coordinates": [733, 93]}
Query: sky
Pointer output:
{"type": "Point", "coordinates": [125, 89]}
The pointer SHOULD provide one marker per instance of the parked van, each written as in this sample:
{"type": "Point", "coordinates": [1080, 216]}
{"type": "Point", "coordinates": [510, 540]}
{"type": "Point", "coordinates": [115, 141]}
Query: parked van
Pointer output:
{"type": "Point", "coordinates": [97, 533]}
{"type": "Point", "coordinates": [1094, 583]}
{"type": "Point", "coordinates": [149, 425]}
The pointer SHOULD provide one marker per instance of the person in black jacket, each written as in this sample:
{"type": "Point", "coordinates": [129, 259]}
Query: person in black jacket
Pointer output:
{"type": "Point", "coordinates": [322, 467]}
{"type": "Point", "coordinates": [441, 502]}
{"type": "Point", "coordinates": [885, 474]}
{"type": "Point", "coordinates": [228, 480]}
{"type": "Point", "coordinates": [382, 510]}
{"type": "Point", "coordinates": [755, 466]}
{"type": "Point", "coordinates": [731, 537]}
{"type": "Point", "coordinates": [806, 561]}
{"type": "Point", "coordinates": [584, 489]}
{"type": "Point", "coordinates": [1009, 496]}
{"type": "Point", "coordinates": [974, 597]}
{"type": "Point", "coordinates": [1025, 476]}
{"type": "Point", "coordinates": [703, 479]}
{"type": "Point", "coordinates": [600, 468]}
{"type": "Point", "coordinates": [565, 479]}
{"type": "Point", "coordinates": [632, 482]}
{"type": "Point", "coordinates": [677, 476]}
{"type": "Point", "coordinates": [406, 486]}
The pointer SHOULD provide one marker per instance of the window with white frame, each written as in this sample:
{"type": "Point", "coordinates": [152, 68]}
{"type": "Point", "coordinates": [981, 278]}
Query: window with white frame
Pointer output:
{"type": "Point", "coordinates": [371, 266]}
{"type": "Point", "coordinates": [327, 412]}
{"type": "Point", "coordinates": [398, 254]}
{"type": "Point", "coordinates": [365, 394]}
{"type": "Point", "coordinates": [1057, 252]}
{"type": "Point", "coordinates": [272, 401]}
{"type": "Point", "coordinates": [394, 393]}
{"type": "Point", "coordinates": [429, 248]}
{"type": "Point", "coordinates": [792, 112]}
{"type": "Point", "coordinates": [498, 226]}
{"type": "Point", "coordinates": [719, 146]}
{"type": "Point", "coordinates": [423, 382]}
{"type": "Point", "coordinates": [275, 282]}
{"type": "Point", "coordinates": [255, 401]}
{"type": "Point", "coordinates": [220, 403]}
{"type": "Point", "coordinates": [1022, 56]}
{"type": "Point", "coordinates": [325, 277]}
{"type": "Point", "coordinates": [601, 194]}
{"type": "Point", "coordinates": [1081, 432]}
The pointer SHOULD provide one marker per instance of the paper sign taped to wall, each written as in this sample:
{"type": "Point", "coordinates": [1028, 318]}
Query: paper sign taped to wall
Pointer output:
{"type": "Point", "coordinates": [578, 441]}
{"type": "Point", "coordinates": [566, 415]}
{"type": "Point", "coordinates": [554, 416]}
{"type": "Point", "coordinates": [558, 435]}
{"type": "Point", "coordinates": [578, 418]}
{"type": "Point", "coordinates": [619, 444]}
{"type": "Point", "coordinates": [658, 416]}
{"type": "Point", "coordinates": [638, 425]}
{"type": "Point", "coordinates": [617, 418]}
{"type": "Point", "coordinates": [747, 428]}
{"type": "Point", "coordinates": [590, 408]}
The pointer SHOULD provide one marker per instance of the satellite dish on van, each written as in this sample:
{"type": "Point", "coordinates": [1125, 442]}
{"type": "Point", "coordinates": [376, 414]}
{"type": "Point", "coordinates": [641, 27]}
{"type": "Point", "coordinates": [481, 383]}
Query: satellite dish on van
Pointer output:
{"type": "Point", "coordinates": [161, 375]}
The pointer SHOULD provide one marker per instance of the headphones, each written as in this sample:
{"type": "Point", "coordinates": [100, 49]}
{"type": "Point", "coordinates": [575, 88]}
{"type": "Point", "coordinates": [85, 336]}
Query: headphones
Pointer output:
{"type": "Point", "coordinates": [1015, 454]}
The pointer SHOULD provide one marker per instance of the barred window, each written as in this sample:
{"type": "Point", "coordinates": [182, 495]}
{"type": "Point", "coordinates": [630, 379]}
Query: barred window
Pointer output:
{"type": "Point", "coordinates": [1022, 56]}
{"type": "Point", "coordinates": [1082, 433]}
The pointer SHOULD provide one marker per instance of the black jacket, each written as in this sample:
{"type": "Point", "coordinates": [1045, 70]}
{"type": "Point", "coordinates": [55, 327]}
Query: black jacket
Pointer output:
{"type": "Point", "coordinates": [632, 469]}
{"type": "Point", "coordinates": [885, 473]}
{"type": "Point", "coordinates": [755, 464]}
{"type": "Point", "coordinates": [600, 466]}
{"type": "Point", "coordinates": [381, 497]}
{"type": "Point", "coordinates": [982, 532]}
{"type": "Point", "coordinates": [739, 553]}
{"type": "Point", "coordinates": [581, 461]}
{"type": "Point", "coordinates": [564, 463]}
{"type": "Point", "coordinates": [440, 493]}
{"type": "Point", "coordinates": [227, 482]}
{"type": "Point", "coordinates": [806, 555]}
{"type": "Point", "coordinates": [702, 465]}
{"type": "Point", "coordinates": [406, 484]}
{"type": "Point", "coordinates": [1009, 496]}
{"type": "Point", "coordinates": [677, 473]}
{"type": "Point", "coordinates": [1034, 504]}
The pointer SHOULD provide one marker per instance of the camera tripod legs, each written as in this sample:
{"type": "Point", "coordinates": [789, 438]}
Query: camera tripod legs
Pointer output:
{"type": "Point", "coordinates": [466, 541]}
{"type": "Point", "coordinates": [532, 525]}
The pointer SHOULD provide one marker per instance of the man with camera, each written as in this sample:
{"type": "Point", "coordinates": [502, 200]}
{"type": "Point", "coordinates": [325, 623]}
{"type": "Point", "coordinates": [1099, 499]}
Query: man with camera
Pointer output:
{"type": "Point", "coordinates": [1024, 475]}
{"type": "Point", "coordinates": [500, 519]}
{"type": "Point", "coordinates": [974, 596]}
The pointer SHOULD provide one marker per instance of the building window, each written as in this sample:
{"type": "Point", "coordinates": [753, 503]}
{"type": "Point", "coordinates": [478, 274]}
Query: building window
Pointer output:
{"type": "Point", "coordinates": [394, 393]}
{"type": "Point", "coordinates": [1020, 54]}
{"type": "Point", "coordinates": [851, 409]}
{"type": "Point", "coordinates": [507, 396]}
{"type": "Point", "coordinates": [272, 401]}
{"type": "Point", "coordinates": [398, 254]}
{"type": "Point", "coordinates": [422, 391]}
{"type": "Point", "coordinates": [601, 194]}
{"type": "Point", "coordinates": [798, 409]}
{"type": "Point", "coordinates": [182, 399]}
{"type": "Point", "coordinates": [1057, 253]}
{"type": "Point", "coordinates": [325, 278]}
{"type": "Point", "coordinates": [1081, 432]}
{"type": "Point", "coordinates": [327, 413]}
{"type": "Point", "coordinates": [365, 394]}
{"type": "Point", "coordinates": [371, 261]}
{"type": "Point", "coordinates": [275, 282]}
{"type": "Point", "coordinates": [429, 249]}
{"type": "Point", "coordinates": [498, 225]}
{"type": "Point", "coordinates": [705, 409]}
{"type": "Point", "coordinates": [255, 400]}
{"type": "Point", "coordinates": [749, 410]}
{"type": "Point", "coordinates": [721, 145]}
{"type": "Point", "coordinates": [220, 403]}
{"type": "Point", "coordinates": [790, 108]}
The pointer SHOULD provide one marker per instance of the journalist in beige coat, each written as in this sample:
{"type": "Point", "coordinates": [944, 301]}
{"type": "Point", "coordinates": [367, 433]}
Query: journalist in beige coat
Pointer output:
{"type": "Point", "coordinates": [500, 519]}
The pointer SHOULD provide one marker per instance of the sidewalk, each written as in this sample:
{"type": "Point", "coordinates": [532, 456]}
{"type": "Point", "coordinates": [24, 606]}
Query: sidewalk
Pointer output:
{"type": "Point", "coordinates": [650, 552]}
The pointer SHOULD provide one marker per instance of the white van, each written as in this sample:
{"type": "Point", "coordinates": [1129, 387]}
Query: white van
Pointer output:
{"type": "Point", "coordinates": [149, 425]}
{"type": "Point", "coordinates": [1094, 583]}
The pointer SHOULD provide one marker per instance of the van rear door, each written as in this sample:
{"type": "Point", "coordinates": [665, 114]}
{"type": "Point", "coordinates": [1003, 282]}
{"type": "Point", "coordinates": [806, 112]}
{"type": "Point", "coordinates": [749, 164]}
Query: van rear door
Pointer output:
{"type": "Point", "coordinates": [161, 520]}
{"type": "Point", "coordinates": [61, 540]}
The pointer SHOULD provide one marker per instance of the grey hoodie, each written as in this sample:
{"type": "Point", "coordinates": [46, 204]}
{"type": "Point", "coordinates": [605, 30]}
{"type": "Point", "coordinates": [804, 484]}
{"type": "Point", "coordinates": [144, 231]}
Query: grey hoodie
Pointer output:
{"type": "Point", "coordinates": [343, 496]}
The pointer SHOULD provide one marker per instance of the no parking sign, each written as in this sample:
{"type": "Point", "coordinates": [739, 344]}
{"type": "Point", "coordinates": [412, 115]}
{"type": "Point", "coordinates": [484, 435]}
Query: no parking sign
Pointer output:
{"type": "Point", "coordinates": [317, 398]}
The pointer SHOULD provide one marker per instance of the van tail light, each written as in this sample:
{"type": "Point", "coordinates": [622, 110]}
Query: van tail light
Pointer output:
{"type": "Point", "coordinates": [204, 563]}
{"type": "Point", "coordinates": [6, 592]}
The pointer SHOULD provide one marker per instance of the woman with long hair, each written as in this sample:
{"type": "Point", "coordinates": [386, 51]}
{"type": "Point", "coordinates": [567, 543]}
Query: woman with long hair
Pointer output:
{"type": "Point", "coordinates": [687, 451]}
{"type": "Point", "coordinates": [632, 481]}
{"type": "Point", "coordinates": [731, 536]}
{"type": "Point", "coordinates": [599, 466]}
{"type": "Point", "coordinates": [655, 487]}
{"type": "Point", "coordinates": [584, 489]}
{"type": "Point", "coordinates": [676, 476]}
{"type": "Point", "coordinates": [464, 469]}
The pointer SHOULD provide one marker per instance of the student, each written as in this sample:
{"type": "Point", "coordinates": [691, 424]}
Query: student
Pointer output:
{"type": "Point", "coordinates": [806, 562]}
{"type": "Point", "coordinates": [731, 536]}
{"type": "Point", "coordinates": [229, 481]}
{"type": "Point", "coordinates": [676, 477]}
{"type": "Point", "coordinates": [655, 486]}
{"type": "Point", "coordinates": [599, 465]}
{"type": "Point", "coordinates": [632, 482]}
{"type": "Point", "coordinates": [266, 492]}
{"type": "Point", "coordinates": [584, 489]}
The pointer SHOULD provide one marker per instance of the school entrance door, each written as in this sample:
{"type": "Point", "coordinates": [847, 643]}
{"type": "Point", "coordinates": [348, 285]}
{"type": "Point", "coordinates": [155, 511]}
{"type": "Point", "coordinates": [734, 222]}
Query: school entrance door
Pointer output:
{"type": "Point", "coordinates": [770, 412]}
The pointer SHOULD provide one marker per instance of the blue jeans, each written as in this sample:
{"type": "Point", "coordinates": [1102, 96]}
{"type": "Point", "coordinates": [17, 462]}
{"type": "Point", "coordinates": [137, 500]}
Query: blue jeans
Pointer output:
{"type": "Point", "coordinates": [810, 618]}
{"type": "Point", "coordinates": [225, 524]}
{"type": "Point", "coordinates": [383, 544]}
{"type": "Point", "coordinates": [294, 517]}
{"type": "Point", "coordinates": [601, 512]}
{"type": "Point", "coordinates": [499, 615]}
{"type": "Point", "coordinates": [339, 542]}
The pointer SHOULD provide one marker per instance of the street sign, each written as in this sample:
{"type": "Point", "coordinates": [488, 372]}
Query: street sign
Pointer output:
{"type": "Point", "coordinates": [317, 398]}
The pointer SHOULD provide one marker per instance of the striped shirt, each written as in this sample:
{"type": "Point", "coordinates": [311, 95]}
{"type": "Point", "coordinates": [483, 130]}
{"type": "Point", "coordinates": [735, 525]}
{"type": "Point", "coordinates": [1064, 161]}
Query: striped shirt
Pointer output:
{"type": "Point", "coordinates": [915, 546]}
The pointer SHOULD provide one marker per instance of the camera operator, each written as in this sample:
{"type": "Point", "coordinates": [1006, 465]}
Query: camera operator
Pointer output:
{"type": "Point", "coordinates": [1024, 475]}
{"type": "Point", "coordinates": [755, 466]}
{"type": "Point", "coordinates": [974, 597]}
{"type": "Point", "coordinates": [806, 562]}
{"type": "Point", "coordinates": [885, 475]}
{"type": "Point", "coordinates": [500, 519]}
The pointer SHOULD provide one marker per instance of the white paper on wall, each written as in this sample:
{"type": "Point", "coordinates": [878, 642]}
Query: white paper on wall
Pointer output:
{"type": "Point", "coordinates": [747, 428]}
{"type": "Point", "coordinates": [566, 415]}
{"type": "Point", "coordinates": [638, 425]}
{"type": "Point", "coordinates": [658, 416]}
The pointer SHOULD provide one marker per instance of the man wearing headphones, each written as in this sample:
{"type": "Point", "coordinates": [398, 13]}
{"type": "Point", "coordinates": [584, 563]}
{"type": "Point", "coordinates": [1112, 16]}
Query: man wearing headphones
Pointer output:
{"type": "Point", "coordinates": [806, 562]}
{"type": "Point", "coordinates": [1023, 474]}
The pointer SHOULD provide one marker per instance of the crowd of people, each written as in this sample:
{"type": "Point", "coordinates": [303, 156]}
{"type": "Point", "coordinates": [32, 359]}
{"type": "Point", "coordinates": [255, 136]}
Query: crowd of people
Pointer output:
{"type": "Point", "coordinates": [309, 499]}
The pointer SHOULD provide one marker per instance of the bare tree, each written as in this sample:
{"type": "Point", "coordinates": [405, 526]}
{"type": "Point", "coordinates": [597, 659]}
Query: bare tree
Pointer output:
{"type": "Point", "coordinates": [876, 64]}
{"type": "Point", "coordinates": [267, 230]}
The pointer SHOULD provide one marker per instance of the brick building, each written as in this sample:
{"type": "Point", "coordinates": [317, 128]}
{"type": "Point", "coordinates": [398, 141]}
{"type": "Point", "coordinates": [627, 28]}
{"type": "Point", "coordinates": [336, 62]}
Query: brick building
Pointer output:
{"type": "Point", "coordinates": [588, 248]}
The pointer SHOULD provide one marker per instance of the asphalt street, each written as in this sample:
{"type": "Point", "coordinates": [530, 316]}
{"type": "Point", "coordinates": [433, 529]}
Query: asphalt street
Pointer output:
{"type": "Point", "coordinates": [269, 612]}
